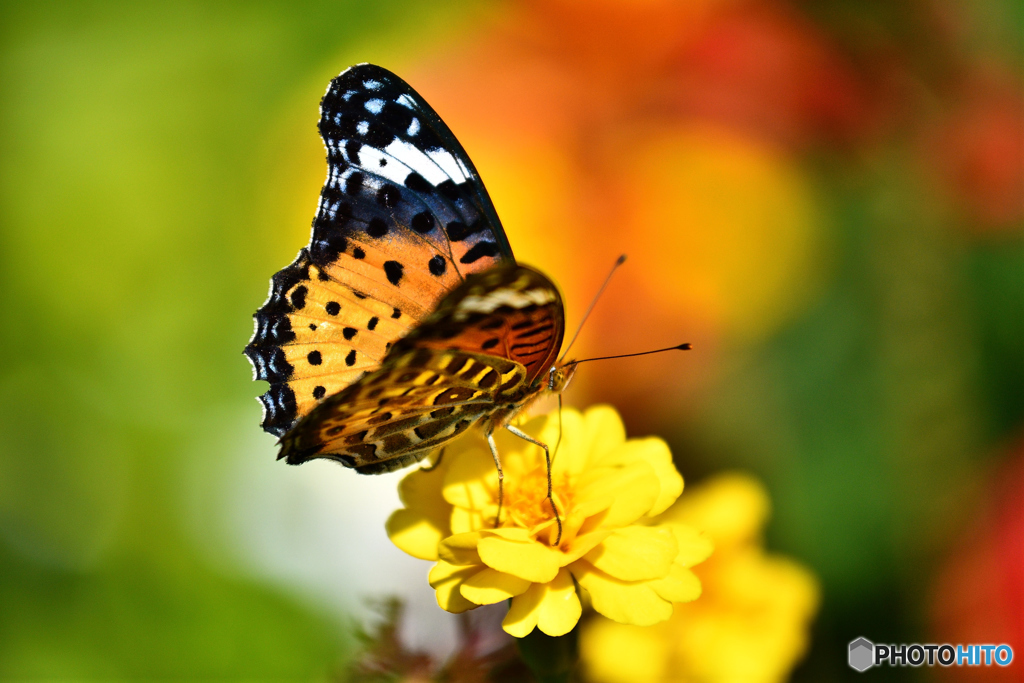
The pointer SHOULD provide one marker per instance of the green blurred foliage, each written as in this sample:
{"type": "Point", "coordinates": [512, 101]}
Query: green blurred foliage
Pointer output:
{"type": "Point", "coordinates": [135, 147]}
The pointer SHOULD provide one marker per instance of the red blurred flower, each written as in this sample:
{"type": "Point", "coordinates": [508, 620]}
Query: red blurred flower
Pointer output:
{"type": "Point", "coordinates": [767, 69]}
{"type": "Point", "coordinates": [979, 594]}
{"type": "Point", "coordinates": [980, 151]}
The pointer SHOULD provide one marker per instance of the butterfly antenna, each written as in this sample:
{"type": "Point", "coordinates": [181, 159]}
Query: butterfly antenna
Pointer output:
{"type": "Point", "coordinates": [618, 262]}
{"type": "Point", "coordinates": [680, 347]}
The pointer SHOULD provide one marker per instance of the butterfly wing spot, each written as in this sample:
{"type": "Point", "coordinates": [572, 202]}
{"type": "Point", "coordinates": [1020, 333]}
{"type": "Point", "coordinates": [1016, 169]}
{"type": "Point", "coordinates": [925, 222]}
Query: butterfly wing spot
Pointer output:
{"type": "Point", "coordinates": [397, 313]}
{"type": "Point", "coordinates": [354, 183]}
{"type": "Point", "coordinates": [363, 451]}
{"type": "Point", "coordinates": [319, 391]}
{"type": "Point", "coordinates": [350, 359]}
{"type": "Point", "coordinates": [314, 358]}
{"type": "Point", "coordinates": [372, 323]}
{"type": "Point", "coordinates": [430, 429]}
{"type": "Point", "coordinates": [352, 149]}
{"type": "Point", "coordinates": [332, 308]}
{"type": "Point", "coordinates": [437, 265]}
{"type": "Point", "coordinates": [393, 270]}
{"type": "Point", "coordinates": [453, 395]}
{"type": "Point", "coordinates": [388, 196]}
{"type": "Point", "coordinates": [349, 332]}
{"type": "Point", "coordinates": [358, 253]}
{"type": "Point", "coordinates": [298, 297]}
{"type": "Point", "coordinates": [356, 438]}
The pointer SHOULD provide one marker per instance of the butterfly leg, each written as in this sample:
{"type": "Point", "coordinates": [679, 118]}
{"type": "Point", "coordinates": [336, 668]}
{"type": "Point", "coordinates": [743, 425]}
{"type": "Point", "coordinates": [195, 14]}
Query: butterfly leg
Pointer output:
{"type": "Point", "coordinates": [501, 476]}
{"type": "Point", "coordinates": [437, 463]}
{"type": "Point", "coordinates": [547, 459]}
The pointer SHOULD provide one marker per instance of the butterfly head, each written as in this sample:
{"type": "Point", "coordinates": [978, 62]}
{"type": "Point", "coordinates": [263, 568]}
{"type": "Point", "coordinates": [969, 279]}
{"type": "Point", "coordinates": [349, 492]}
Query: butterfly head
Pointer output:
{"type": "Point", "coordinates": [559, 376]}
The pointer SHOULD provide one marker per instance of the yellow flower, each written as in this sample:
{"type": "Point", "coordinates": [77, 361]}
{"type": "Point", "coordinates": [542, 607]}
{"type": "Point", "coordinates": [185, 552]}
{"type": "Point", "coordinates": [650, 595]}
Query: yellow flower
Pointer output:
{"type": "Point", "coordinates": [751, 622]}
{"type": "Point", "coordinates": [606, 489]}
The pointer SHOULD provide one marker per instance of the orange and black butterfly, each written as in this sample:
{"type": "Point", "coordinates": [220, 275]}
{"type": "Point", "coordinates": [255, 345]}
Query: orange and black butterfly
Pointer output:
{"type": "Point", "coordinates": [406, 320]}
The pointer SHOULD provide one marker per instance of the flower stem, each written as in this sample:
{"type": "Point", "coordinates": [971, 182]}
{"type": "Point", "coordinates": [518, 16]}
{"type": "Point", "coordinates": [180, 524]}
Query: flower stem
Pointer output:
{"type": "Point", "coordinates": [551, 660]}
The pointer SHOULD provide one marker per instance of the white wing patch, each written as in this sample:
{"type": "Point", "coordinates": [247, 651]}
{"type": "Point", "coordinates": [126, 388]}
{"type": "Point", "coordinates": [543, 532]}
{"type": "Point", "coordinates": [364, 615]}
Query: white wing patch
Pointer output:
{"type": "Point", "coordinates": [393, 169]}
{"type": "Point", "coordinates": [417, 160]}
{"type": "Point", "coordinates": [507, 297]}
{"type": "Point", "coordinates": [449, 164]}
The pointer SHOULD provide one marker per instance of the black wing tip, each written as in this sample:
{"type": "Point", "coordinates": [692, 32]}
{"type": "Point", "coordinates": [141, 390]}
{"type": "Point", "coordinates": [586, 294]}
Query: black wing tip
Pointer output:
{"type": "Point", "coordinates": [353, 77]}
{"type": "Point", "coordinates": [279, 410]}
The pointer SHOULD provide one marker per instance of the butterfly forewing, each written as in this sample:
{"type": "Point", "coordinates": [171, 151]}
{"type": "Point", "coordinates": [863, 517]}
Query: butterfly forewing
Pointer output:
{"type": "Point", "coordinates": [393, 161]}
{"type": "Point", "coordinates": [403, 217]}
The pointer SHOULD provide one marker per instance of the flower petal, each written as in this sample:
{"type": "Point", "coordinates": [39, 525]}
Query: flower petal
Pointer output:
{"type": "Point", "coordinates": [583, 544]}
{"type": "Point", "coordinates": [656, 453]}
{"type": "Point", "coordinates": [694, 547]}
{"type": "Point", "coordinates": [636, 553]}
{"type": "Point", "coordinates": [731, 508]}
{"type": "Point", "coordinates": [527, 559]}
{"type": "Point", "coordinates": [489, 586]}
{"type": "Point", "coordinates": [460, 549]}
{"type": "Point", "coordinates": [560, 608]}
{"type": "Point", "coordinates": [604, 431]}
{"type": "Point", "coordinates": [414, 533]}
{"type": "Point", "coordinates": [523, 614]}
{"type": "Point", "coordinates": [681, 585]}
{"type": "Point", "coordinates": [421, 489]}
{"type": "Point", "coordinates": [446, 579]}
{"type": "Point", "coordinates": [463, 520]}
{"type": "Point", "coordinates": [471, 479]}
{"type": "Point", "coordinates": [620, 653]}
{"type": "Point", "coordinates": [628, 602]}
{"type": "Point", "coordinates": [571, 455]}
{"type": "Point", "coordinates": [633, 489]}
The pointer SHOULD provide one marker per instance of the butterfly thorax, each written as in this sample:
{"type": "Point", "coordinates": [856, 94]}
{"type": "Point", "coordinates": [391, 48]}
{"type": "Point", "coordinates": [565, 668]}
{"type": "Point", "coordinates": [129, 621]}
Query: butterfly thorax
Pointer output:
{"type": "Point", "coordinates": [553, 382]}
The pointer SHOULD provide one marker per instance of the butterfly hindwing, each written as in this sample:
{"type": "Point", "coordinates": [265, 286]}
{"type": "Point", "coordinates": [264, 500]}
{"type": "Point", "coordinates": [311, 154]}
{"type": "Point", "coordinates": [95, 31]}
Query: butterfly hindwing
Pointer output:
{"type": "Point", "coordinates": [510, 311]}
{"type": "Point", "coordinates": [403, 217]}
{"type": "Point", "coordinates": [417, 401]}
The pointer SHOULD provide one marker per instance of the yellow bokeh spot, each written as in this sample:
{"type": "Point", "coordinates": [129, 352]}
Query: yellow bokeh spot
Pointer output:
{"type": "Point", "coordinates": [727, 225]}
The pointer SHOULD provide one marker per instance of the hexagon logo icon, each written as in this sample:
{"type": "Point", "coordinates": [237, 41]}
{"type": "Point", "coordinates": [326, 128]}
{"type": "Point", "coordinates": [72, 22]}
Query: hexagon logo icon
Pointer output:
{"type": "Point", "coordinates": [862, 654]}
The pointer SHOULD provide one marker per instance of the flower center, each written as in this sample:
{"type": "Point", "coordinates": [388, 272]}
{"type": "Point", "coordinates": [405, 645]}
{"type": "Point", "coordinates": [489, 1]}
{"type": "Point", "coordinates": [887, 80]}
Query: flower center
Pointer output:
{"type": "Point", "coordinates": [526, 498]}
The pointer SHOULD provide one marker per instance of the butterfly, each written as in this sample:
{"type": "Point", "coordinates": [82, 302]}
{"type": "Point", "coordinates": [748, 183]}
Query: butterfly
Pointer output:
{"type": "Point", "coordinates": [406, 321]}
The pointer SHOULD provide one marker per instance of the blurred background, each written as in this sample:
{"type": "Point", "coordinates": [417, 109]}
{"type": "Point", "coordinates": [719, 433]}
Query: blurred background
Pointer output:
{"type": "Point", "coordinates": [826, 198]}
